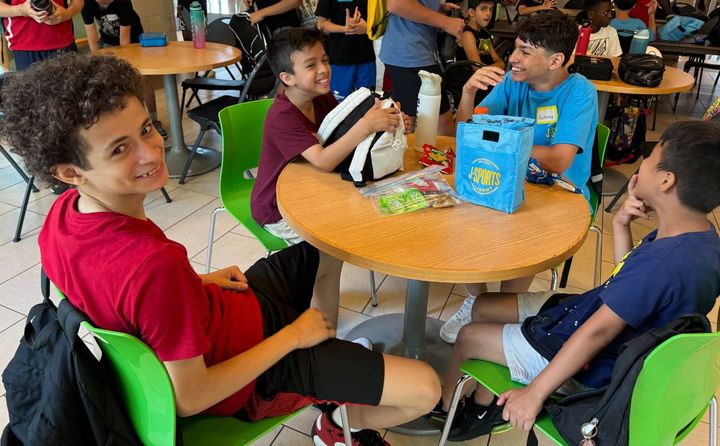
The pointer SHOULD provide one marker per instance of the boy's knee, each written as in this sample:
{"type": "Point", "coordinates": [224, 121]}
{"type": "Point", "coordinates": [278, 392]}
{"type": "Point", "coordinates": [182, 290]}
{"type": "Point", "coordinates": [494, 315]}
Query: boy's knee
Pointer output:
{"type": "Point", "coordinates": [428, 388]}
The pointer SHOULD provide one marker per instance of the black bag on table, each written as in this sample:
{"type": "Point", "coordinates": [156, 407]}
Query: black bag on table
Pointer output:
{"type": "Point", "coordinates": [592, 67]}
{"type": "Point", "coordinates": [644, 70]}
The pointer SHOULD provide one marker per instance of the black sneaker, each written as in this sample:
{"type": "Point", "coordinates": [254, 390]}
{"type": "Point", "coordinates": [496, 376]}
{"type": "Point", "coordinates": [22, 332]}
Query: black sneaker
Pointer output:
{"type": "Point", "coordinates": [438, 413]}
{"type": "Point", "coordinates": [474, 420]}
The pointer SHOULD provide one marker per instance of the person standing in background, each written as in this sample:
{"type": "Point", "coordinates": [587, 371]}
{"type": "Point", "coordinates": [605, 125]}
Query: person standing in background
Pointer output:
{"type": "Point", "coordinates": [275, 14]}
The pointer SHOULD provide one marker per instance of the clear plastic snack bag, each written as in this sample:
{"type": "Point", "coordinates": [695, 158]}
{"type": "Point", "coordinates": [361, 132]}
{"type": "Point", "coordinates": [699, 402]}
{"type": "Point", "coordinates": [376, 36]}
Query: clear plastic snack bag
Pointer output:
{"type": "Point", "coordinates": [411, 192]}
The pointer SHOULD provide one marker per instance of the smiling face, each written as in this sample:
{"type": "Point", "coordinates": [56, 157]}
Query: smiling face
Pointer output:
{"type": "Point", "coordinates": [482, 14]}
{"type": "Point", "coordinates": [311, 71]}
{"type": "Point", "coordinates": [125, 155]}
{"type": "Point", "coordinates": [531, 64]}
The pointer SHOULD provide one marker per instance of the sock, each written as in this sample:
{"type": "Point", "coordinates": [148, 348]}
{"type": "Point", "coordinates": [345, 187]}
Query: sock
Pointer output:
{"type": "Point", "coordinates": [153, 116]}
{"type": "Point", "coordinates": [337, 419]}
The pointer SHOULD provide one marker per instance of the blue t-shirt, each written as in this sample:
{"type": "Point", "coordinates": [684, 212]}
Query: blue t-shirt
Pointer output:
{"type": "Point", "coordinates": [567, 114]}
{"type": "Point", "coordinates": [410, 44]}
{"type": "Point", "coordinates": [657, 282]}
{"type": "Point", "coordinates": [629, 26]}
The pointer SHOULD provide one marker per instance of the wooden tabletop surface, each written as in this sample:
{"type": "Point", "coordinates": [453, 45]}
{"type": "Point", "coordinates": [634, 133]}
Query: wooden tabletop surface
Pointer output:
{"type": "Point", "coordinates": [674, 81]}
{"type": "Point", "coordinates": [465, 243]}
{"type": "Point", "coordinates": [176, 57]}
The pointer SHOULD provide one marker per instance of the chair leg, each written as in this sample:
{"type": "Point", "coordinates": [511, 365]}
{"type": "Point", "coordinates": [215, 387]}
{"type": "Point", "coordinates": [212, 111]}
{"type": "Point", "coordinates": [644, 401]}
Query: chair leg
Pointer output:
{"type": "Point", "coordinates": [15, 165]}
{"type": "Point", "coordinates": [23, 209]}
{"type": "Point", "coordinates": [191, 155]}
{"type": "Point", "coordinates": [565, 272]}
{"type": "Point", "coordinates": [232, 76]}
{"type": "Point", "coordinates": [165, 194]}
{"type": "Point", "coordinates": [657, 99]}
{"type": "Point", "coordinates": [373, 294]}
{"type": "Point", "coordinates": [211, 238]}
{"type": "Point", "coordinates": [346, 425]}
{"type": "Point", "coordinates": [553, 279]}
{"type": "Point", "coordinates": [453, 407]}
{"type": "Point", "coordinates": [713, 421]}
{"type": "Point", "coordinates": [598, 254]}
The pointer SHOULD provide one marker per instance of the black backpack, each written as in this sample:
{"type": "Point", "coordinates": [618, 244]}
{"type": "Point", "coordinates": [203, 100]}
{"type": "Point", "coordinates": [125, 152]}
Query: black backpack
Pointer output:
{"type": "Point", "coordinates": [57, 392]}
{"type": "Point", "coordinates": [608, 408]}
{"type": "Point", "coordinates": [627, 119]}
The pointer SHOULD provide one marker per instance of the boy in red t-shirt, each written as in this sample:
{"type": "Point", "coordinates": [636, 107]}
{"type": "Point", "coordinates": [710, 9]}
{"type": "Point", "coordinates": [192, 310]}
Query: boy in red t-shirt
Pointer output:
{"type": "Point", "coordinates": [253, 342]}
{"type": "Point", "coordinates": [297, 56]}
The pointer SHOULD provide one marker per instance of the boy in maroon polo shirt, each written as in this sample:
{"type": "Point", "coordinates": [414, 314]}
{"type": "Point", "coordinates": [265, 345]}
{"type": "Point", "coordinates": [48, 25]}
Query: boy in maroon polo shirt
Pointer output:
{"type": "Point", "coordinates": [230, 341]}
{"type": "Point", "coordinates": [298, 58]}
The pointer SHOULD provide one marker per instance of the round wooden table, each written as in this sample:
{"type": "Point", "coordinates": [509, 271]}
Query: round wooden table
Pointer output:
{"type": "Point", "coordinates": [674, 81]}
{"type": "Point", "coordinates": [168, 61]}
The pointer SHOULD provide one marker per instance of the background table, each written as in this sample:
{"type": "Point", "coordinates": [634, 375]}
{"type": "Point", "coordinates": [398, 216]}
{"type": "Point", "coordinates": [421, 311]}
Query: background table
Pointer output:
{"type": "Point", "coordinates": [168, 61]}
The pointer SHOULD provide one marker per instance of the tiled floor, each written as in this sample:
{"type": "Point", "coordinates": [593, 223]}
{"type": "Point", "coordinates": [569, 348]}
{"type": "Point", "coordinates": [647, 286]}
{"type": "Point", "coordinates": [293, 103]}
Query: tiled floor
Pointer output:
{"type": "Point", "coordinates": [187, 218]}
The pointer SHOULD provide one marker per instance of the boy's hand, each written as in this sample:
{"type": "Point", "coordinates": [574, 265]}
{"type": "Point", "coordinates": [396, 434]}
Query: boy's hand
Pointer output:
{"type": "Point", "coordinates": [483, 78]}
{"type": "Point", "coordinates": [311, 328]}
{"type": "Point", "coordinates": [549, 4]}
{"type": "Point", "coordinates": [381, 119]}
{"type": "Point", "coordinates": [407, 120]}
{"type": "Point", "coordinates": [354, 24]}
{"type": "Point", "coordinates": [230, 278]}
{"type": "Point", "coordinates": [60, 15]}
{"type": "Point", "coordinates": [633, 207]}
{"type": "Point", "coordinates": [444, 6]}
{"type": "Point", "coordinates": [652, 8]}
{"type": "Point", "coordinates": [454, 26]}
{"type": "Point", "coordinates": [28, 11]}
{"type": "Point", "coordinates": [522, 406]}
{"type": "Point", "coordinates": [249, 3]}
{"type": "Point", "coordinates": [256, 17]}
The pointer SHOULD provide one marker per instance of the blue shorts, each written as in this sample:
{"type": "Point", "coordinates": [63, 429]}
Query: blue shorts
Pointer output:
{"type": "Point", "coordinates": [23, 59]}
{"type": "Point", "coordinates": [347, 78]}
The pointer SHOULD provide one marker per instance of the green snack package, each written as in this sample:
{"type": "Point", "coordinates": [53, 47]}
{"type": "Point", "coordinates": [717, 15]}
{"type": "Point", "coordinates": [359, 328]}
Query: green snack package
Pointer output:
{"type": "Point", "coordinates": [402, 202]}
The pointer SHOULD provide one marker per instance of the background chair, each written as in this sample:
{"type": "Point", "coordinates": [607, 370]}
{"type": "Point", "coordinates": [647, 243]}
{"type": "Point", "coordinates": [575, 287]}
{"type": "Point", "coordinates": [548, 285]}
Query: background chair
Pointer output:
{"type": "Point", "coordinates": [603, 133]}
{"type": "Point", "coordinates": [673, 390]}
{"type": "Point", "coordinates": [242, 130]}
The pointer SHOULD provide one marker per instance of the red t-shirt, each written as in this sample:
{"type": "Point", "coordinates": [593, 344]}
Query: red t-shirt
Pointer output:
{"type": "Point", "coordinates": [640, 11]}
{"type": "Point", "coordinates": [127, 276]}
{"type": "Point", "coordinates": [287, 133]}
{"type": "Point", "coordinates": [25, 34]}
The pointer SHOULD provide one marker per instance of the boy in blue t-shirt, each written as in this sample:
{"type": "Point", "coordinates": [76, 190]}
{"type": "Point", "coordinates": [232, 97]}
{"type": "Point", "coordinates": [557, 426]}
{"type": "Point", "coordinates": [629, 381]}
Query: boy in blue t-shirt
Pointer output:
{"type": "Point", "coordinates": [574, 343]}
{"type": "Point", "coordinates": [626, 25]}
{"type": "Point", "coordinates": [563, 105]}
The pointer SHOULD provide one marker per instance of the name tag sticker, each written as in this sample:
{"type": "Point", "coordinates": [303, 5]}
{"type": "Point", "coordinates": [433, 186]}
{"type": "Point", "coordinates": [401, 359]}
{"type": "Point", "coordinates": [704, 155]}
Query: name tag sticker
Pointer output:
{"type": "Point", "coordinates": [547, 115]}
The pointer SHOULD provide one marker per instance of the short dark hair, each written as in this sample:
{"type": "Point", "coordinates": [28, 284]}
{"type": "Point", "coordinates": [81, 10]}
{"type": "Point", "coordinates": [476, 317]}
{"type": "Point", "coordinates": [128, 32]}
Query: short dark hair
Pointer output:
{"type": "Point", "coordinates": [551, 30]}
{"type": "Point", "coordinates": [592, 4]}
{"type": "Point", "coordinates": [690, 150]}
{"type": "Point", "coordinates": [472, 4]}
{"type": "Point", "coordinates": [46, 106]}
{"type": "Point", "coordinates": [625, 5]}
{"type": "Point", "coordinates": [286, 42]}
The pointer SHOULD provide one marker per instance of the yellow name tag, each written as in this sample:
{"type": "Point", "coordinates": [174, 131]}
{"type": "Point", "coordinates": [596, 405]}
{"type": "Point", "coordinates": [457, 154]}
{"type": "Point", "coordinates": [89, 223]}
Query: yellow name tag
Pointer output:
{"type": "Point", "coordinates": [547, 115]}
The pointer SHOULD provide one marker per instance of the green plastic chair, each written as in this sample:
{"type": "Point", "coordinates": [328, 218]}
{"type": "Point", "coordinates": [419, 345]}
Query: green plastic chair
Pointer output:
{"type": "Point", "coordinates": [675, 386]}
{"type": "Point", "coordinates": [242, 131]}
{"type": "Point", "coordinates": [603, 134]}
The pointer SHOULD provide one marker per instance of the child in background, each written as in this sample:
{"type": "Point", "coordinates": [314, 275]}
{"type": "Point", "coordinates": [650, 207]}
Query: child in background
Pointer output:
{"type": "Point", "coordinates": [352, 58]}
{"type": "Point", "coordinates": [604, 39]}
{"type": "Point", "coordinates": [476, 41]}
{"type": "Point", "coordinates": [527, 7]}
{"type": "Point", "coordinates": [626, 25]}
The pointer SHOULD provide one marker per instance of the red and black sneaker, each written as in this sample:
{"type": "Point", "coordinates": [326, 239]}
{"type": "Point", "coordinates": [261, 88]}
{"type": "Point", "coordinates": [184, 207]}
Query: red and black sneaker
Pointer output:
{"type": "Point", "coordinates": [326, 433]}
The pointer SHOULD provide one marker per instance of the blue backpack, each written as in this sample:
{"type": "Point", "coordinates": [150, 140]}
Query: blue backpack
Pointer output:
{"type": "Point", "coordinates": [680, 27]}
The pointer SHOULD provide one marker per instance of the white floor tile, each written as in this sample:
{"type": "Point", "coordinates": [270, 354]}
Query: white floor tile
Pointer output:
{"type": "Point", "coordinates": [291, 437]}
{"type": "Point", "coordinates": [184, 203]}
{"type": "Point", "coordinates": [22, 291]}
{"type": "Point", "coordinates": [18, 257]}
{"type": "Point", "coordinates": [233, 249]}
{"type": "Point", "coordinates": [193, 231]}
{"type": "Point", "coordinates": [8, 223]}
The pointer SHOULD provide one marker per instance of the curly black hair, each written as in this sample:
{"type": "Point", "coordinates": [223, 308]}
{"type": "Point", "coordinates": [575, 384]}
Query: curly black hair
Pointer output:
{"type": "Point", "coordinates": [551, 30]}
{"type": "Point", "coordinates": [46, 106]}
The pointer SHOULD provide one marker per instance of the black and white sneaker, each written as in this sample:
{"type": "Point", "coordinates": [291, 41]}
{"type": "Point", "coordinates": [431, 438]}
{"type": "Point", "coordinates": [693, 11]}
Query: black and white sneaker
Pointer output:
{"type": "Point", "coordinates": [474, 420]}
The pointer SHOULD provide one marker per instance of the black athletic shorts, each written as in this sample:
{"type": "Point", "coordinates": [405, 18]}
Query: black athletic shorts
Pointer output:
{"type": "Point", "coordinates": [406, 87]}
{"type": "Point", "coordinates": [335, 370]}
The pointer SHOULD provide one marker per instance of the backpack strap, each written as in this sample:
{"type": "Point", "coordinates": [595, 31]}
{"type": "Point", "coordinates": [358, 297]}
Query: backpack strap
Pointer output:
{"type": "Point", "coordinates": [70, 318]}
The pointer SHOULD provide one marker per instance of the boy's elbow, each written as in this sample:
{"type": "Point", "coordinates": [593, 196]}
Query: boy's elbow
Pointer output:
{"type": "Point", "coordinates": [186, 406]}
{"type": "Point", "coordinates": [393, 6]}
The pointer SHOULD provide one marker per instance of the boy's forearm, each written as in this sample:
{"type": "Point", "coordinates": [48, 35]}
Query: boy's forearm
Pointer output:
{"type": "Point", "coordinates": [328, 157]}
{"type": "Point", "coordinates": [416, 12]}
{"type": "Point", "coordinates": [10, 10]}
{"type": "Point", "coordinates": [527, 10]}
{"type": "Point", "coordinates": [75, 6]}
{"type": "Point", "coordinates": [652, 26]}
{"type": "Point", "coordinates": [622, 241]}
{"type": "Point", "coordinates": [465, 107]}
{"type": "Point", "coordinates": [328, 27]}
{"type": "Point", "coordinates": [280, 7]}
{"type": "Point", "coordinates": [557, 158]}
{"type": "Point", "coordinates": [594, 335]}
{"type": "Point", "coordinates": [215, 383]}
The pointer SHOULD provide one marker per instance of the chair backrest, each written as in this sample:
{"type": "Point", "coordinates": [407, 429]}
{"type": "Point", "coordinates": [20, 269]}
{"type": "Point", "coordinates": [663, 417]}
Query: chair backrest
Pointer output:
{"type": "Point", "coordinates": [145, 385]}
{"type": "Point", "coordinates": [251, 39]}
{"type": "Point", "coordinates": [603, 135]}
{"type": "Point", "coordinates": [218, 31]}
{"type": "Point", "coordinates": [677, 381]}
{"type": "Point", "coordinates": [242, 129]}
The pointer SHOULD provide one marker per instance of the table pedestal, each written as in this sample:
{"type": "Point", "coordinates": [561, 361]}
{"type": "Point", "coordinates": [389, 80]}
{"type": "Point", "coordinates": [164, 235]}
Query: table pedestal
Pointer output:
{"type": "Point", "coordinates": [413, 335]}
{"type": "Point", "coordinates": [205, 159]}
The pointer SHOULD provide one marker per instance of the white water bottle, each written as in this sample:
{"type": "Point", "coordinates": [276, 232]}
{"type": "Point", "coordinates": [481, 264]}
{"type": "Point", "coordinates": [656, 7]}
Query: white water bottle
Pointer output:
{"type": "Point", "coordinates": [428, 109]}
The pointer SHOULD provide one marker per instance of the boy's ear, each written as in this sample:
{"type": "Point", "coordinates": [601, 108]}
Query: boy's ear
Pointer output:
{"type": "Point", "coordinates": [557, 60]}
{"type": "Point", "coordinates": [286, 77]}
{"type": "Point", "coordinates": [69, 173]}
{"type": "Point", "coordinates": [668, 181]}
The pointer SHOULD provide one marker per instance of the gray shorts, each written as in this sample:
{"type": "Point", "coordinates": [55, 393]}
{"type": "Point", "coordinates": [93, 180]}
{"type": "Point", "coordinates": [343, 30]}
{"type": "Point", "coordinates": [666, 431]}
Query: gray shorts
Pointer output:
{"type": "Point", "coordinates": [524, 362]}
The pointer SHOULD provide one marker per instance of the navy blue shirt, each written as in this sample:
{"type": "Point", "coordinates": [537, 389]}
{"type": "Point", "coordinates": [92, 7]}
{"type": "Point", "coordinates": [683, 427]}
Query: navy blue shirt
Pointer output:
{"type": "Point", "coordinates": [658, 281]}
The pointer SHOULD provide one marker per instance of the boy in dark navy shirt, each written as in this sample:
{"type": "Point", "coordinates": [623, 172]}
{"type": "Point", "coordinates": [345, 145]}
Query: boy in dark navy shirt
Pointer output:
{"type": "Point", "coordinates": [573, 345]}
